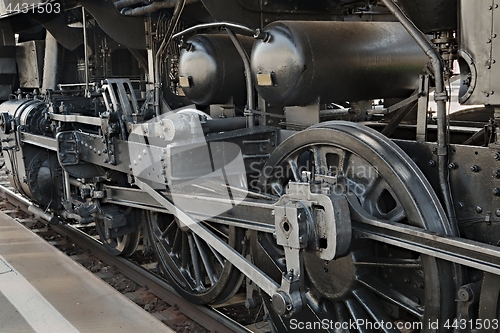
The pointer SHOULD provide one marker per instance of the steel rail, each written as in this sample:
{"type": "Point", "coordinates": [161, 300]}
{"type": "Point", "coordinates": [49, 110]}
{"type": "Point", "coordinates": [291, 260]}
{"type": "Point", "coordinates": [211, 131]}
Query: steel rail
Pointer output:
{"type": "Point", "coordinates": [206, 316]}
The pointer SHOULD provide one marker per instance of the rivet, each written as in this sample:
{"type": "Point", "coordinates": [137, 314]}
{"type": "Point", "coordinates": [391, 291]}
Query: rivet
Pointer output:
{"type": "Point", "coordinates": [475, 168]}
{"type": "Point", "coordinates": [479, 209]}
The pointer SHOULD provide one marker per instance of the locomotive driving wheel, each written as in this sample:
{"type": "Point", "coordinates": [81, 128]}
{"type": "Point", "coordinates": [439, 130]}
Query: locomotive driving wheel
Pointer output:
{"type": "Point", "coordinates": [198, 272]}
{"type": "Point", "coordinates": [379, 286]}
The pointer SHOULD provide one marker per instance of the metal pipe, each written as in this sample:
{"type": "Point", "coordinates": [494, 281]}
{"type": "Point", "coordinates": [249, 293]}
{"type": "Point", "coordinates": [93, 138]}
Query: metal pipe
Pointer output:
{"type": "Point", "coordinates": [154, 7]}
{"type": "Point", "coordinates": [166, 41]}
{"type": "Point", "coordinates": [50, 63]}
{"type": "Point", "coordinates": [248, 78]}
{"type": "Point", "coordinates": [75, 182]}
{"type": "Point", "coordinates": [84, 22]}
{"type": "Point", "coordinates": [244, 30]}
{"type": "Point", "coordinates": [67, 187]}
{"type": "Point", "coordinates": [124, 3]}
{"type": "Point", "coordinates": [440, 97]}
{"type": "Point", "coordinates": [43, 215]}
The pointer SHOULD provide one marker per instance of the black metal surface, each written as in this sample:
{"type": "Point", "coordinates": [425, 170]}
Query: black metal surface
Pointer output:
{"type": "Point", "coordinates": [128, 31]}
{"type": "Point", "coordinates": [432, 15]}
{"type": "Point", "coordinates": [214, 69]}
{"type": "Point", "coordinates": [473, 181]}
{"type": "Point", "coordinates": [336, 62]}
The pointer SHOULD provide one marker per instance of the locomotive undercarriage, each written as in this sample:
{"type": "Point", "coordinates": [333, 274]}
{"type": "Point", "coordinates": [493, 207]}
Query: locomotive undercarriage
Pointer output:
{"type": "Point", "coordinates": [230, 161]}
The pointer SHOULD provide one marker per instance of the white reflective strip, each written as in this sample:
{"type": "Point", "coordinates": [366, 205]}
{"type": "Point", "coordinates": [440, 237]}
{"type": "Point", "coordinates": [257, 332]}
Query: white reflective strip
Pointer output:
{"type": "Point", "coordinates": [35, 309]}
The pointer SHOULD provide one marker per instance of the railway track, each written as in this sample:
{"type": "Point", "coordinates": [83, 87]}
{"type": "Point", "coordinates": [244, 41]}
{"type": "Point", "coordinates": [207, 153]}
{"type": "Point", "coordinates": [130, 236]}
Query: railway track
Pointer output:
{"type": "Point", "coordinates": [208, 317]}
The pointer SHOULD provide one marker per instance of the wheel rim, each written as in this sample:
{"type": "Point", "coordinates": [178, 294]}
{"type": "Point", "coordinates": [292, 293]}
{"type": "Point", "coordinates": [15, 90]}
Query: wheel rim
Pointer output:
{"type": "Point", "coordinates": [119, 246]}
{"type": "Point", "coordinates": [376, 282]}
{"type": "Point", "coordinates": [195, 269]}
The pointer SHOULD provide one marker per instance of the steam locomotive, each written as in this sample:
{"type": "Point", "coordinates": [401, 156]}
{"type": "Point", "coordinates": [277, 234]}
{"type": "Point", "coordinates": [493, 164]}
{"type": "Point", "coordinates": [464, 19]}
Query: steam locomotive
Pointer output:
{"type": "Point", "coordinates": [305, 149]}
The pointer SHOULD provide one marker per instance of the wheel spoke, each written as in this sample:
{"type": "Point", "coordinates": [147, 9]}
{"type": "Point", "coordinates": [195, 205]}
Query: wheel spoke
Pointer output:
{"type": "Point", "coordinates": [217, 255]}
{"type": "Point", "coordinates": [177, 243]}
{"type": "Point", "coordinates": [342, 314]}
{"type": "Point", "coordinates": [368, 301]}
{"type": "Point", "coordinates": [292, 164]}
{"type": "Point", "coordinates": [344, 159]}
{"type": "Point", "coordinates": [358, 314]}
{"type": "Point", "coordinates": [172, 225]}
{"type": "Point", "coordinates": [195, 261]}
{"type": "Point", "coordinates": [186, 253]}
{"type": "Point", "coordinates": [320, 164]}
{"type": "Point", "coordinates": [206, 261]}
{"type": "Point", "coordinates": [376, 186]}
{"type": "Point", "coordinates": [392, 295]}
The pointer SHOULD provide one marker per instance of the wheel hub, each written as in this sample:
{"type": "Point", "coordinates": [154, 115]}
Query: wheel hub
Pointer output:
{"type": "Point", "coordinates": [334, 279]}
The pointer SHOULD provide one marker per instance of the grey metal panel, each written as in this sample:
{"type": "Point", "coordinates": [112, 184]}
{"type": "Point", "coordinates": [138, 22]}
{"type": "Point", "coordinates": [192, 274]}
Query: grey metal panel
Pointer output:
{"type": "Point", "coordinates": [30, 62]}
{"type": "Point", "coordinates": [477, 41]}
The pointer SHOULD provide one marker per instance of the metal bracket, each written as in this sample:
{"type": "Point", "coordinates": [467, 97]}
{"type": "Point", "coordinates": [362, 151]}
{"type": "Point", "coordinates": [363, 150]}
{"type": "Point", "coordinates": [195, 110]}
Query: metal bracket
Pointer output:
{"type": "Point", "coordinates": [68, 148]}
{"type": "Point", "coordinates": [290, 233]}
{"type": "Point", "coordinates": [119, 96]}
{"type": "Point", "coordinates": [423, 106]}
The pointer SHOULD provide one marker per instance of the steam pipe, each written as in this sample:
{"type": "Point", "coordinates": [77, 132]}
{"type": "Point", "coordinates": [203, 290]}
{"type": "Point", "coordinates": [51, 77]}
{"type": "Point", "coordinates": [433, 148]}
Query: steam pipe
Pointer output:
{"type": "Point", "coordinates": [244, 30]}
{"type": "Point", "coordinates": [154, 7]}
{"type": "Point", "coordinates": [166, 41]}
{"type": "Point", "coordinates": [248, 78]}
{"type": "Point", "coordinates": [440, 97]}
{"type": "Point", "coordinates": [50, 63]}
